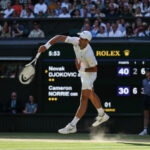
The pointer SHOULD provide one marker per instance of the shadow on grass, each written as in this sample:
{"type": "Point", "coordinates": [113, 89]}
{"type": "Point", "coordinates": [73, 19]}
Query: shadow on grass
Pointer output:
{"type": "Point", "coordinates": [45, 136]}
{"type": "Point", "coordinates": [135, 144]}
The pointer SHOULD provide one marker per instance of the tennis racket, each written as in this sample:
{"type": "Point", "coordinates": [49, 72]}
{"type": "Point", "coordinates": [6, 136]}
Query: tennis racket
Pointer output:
{"type": "Point", "coordinates": [28, 72]}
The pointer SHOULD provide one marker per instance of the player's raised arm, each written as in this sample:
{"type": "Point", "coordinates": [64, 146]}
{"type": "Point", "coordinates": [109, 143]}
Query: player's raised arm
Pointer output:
{"type": "Point", "coordinates": [52, 41]}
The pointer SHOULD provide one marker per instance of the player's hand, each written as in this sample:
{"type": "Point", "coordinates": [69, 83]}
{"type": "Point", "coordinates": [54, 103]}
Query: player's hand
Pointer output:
{"type": "Point", "coordinates": [78, 64]}
{"type": "Point", "coordinates": [42, 49]}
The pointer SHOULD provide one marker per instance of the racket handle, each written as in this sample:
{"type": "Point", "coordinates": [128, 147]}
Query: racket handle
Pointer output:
{"type": "Point", "coordinates": [30, 63]}
{"type": "Point", "coordinates": [37, 55]}
{"type": "Point", "coordinates": [34, 60]}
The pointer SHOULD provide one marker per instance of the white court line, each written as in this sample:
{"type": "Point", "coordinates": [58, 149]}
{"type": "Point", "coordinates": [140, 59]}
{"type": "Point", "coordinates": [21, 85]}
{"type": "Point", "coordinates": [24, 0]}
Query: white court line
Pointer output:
{"type": "Point", "coordinates": [72, 141]}
{"type": "Point", "coordinates": [58, 140]}
{"type": "Point", "coordinates": [70, 148]}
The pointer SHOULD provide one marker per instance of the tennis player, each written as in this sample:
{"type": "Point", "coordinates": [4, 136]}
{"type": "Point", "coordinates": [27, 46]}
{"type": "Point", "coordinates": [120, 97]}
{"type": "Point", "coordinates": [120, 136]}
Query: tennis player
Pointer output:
{"type": "Point", "coordinates": [146, 102]}
{"type": "Point", "coordinates": [87, 66]}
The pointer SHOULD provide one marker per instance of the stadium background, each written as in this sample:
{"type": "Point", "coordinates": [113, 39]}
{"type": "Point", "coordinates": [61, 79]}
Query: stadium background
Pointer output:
{"type": "Point", "coordinates": [17, 51]}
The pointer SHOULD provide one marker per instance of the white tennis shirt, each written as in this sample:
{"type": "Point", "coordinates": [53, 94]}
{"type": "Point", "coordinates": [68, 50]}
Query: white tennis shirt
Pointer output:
{"type": "Point", "coordinates": [86, 55]}
{"type": "Point", "coordinates": [87, 58]}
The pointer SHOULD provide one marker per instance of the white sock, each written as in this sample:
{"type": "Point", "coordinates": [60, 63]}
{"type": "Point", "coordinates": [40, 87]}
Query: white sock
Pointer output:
{"type": "Point", "coordinates": [100, 111]}
{"type": "Point", "coordinates": [75, 121]}
{"type": "Point", "coordinates": [145, 129]}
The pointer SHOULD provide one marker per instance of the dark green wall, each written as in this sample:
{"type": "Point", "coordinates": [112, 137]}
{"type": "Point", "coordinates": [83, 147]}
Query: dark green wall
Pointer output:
{"type": "Point", "coordinates": [52, 122]}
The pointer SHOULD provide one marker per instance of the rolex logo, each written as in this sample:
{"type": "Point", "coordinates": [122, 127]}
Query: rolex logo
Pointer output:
{"type": "Point", "coordinates": [126, 52]}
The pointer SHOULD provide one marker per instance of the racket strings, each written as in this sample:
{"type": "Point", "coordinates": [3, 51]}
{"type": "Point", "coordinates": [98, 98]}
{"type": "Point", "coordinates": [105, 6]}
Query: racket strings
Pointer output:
{"type": "Point", "coordinates": [28, 72]}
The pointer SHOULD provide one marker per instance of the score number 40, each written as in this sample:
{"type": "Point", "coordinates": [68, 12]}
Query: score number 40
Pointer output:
{"type": "Point", "coordinates": [123, 71]}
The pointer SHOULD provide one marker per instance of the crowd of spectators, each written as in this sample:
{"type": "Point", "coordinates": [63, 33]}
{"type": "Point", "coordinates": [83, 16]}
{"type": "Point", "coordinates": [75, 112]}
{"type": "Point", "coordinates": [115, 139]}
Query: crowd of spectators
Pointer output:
{"type": "Point", "coordinates": [119, 28]}
{"type": "Point", "coordinates": [97, 9]}
{"type": "Point", "coordinates": [16, 29]}
{"type": "Point", "coordinates": [14, 105]}
{"type": "Point", "coordinates": [74, 8]}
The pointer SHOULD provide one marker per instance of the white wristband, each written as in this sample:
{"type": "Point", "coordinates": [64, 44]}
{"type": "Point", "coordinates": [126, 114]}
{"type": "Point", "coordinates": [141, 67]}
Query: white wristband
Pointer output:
{"type": "Point", "coordinates": [47, 45]}
{"type": "Point", "coordinates": [82, 69]}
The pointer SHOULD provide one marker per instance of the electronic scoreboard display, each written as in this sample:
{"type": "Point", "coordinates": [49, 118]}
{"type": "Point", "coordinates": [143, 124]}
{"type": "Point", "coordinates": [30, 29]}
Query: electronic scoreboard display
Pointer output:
{"type": "Point", "coordinates": [121, 69]}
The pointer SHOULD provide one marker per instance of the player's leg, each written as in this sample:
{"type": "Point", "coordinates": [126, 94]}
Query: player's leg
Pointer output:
{"type": "Point", "coordinates": [146, 120]}
{"type": "Point", "coordinates": [83, 103]}
{"type": "Point", "coordinates": [102, 116]}
{"type": "Point", "coordinates": [71, 127]}
{"type": "Point", "coordinates": [96, 102]}
{"type": "Point", "coordinates": [146, 114]}
{"type": "Point", "coordinates": [95, 99]}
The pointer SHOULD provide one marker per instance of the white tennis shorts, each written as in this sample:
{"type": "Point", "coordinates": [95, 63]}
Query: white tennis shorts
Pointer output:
{"type": "Point", "coordinates": [87, 80]}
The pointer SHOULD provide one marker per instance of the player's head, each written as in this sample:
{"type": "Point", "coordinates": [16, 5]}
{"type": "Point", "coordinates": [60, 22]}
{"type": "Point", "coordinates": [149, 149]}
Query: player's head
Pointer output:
{"type": "Point", "coordinates": [85, 38]}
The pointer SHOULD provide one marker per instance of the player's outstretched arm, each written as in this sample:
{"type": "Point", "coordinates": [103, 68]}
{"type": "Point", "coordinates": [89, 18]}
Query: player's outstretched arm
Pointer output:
{"type": "Point", "coordinates": [52, 41]}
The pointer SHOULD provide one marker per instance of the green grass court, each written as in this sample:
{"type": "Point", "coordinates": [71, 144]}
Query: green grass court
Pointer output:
{"type": "Point", "coordinates": [52, 141]}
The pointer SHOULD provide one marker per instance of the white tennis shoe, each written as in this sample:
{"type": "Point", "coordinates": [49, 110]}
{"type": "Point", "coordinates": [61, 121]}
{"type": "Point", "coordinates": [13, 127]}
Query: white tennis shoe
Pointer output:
{"type": "Point", "coordinates": [144, 132]}
{"type": "Point", "coordinates": [100, 120]}
{"type": "Point", "coordinates": [68, 129]}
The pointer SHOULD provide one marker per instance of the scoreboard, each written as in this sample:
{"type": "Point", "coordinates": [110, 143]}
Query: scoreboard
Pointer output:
{"type": "Point", "coordinates": [121, 69]}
